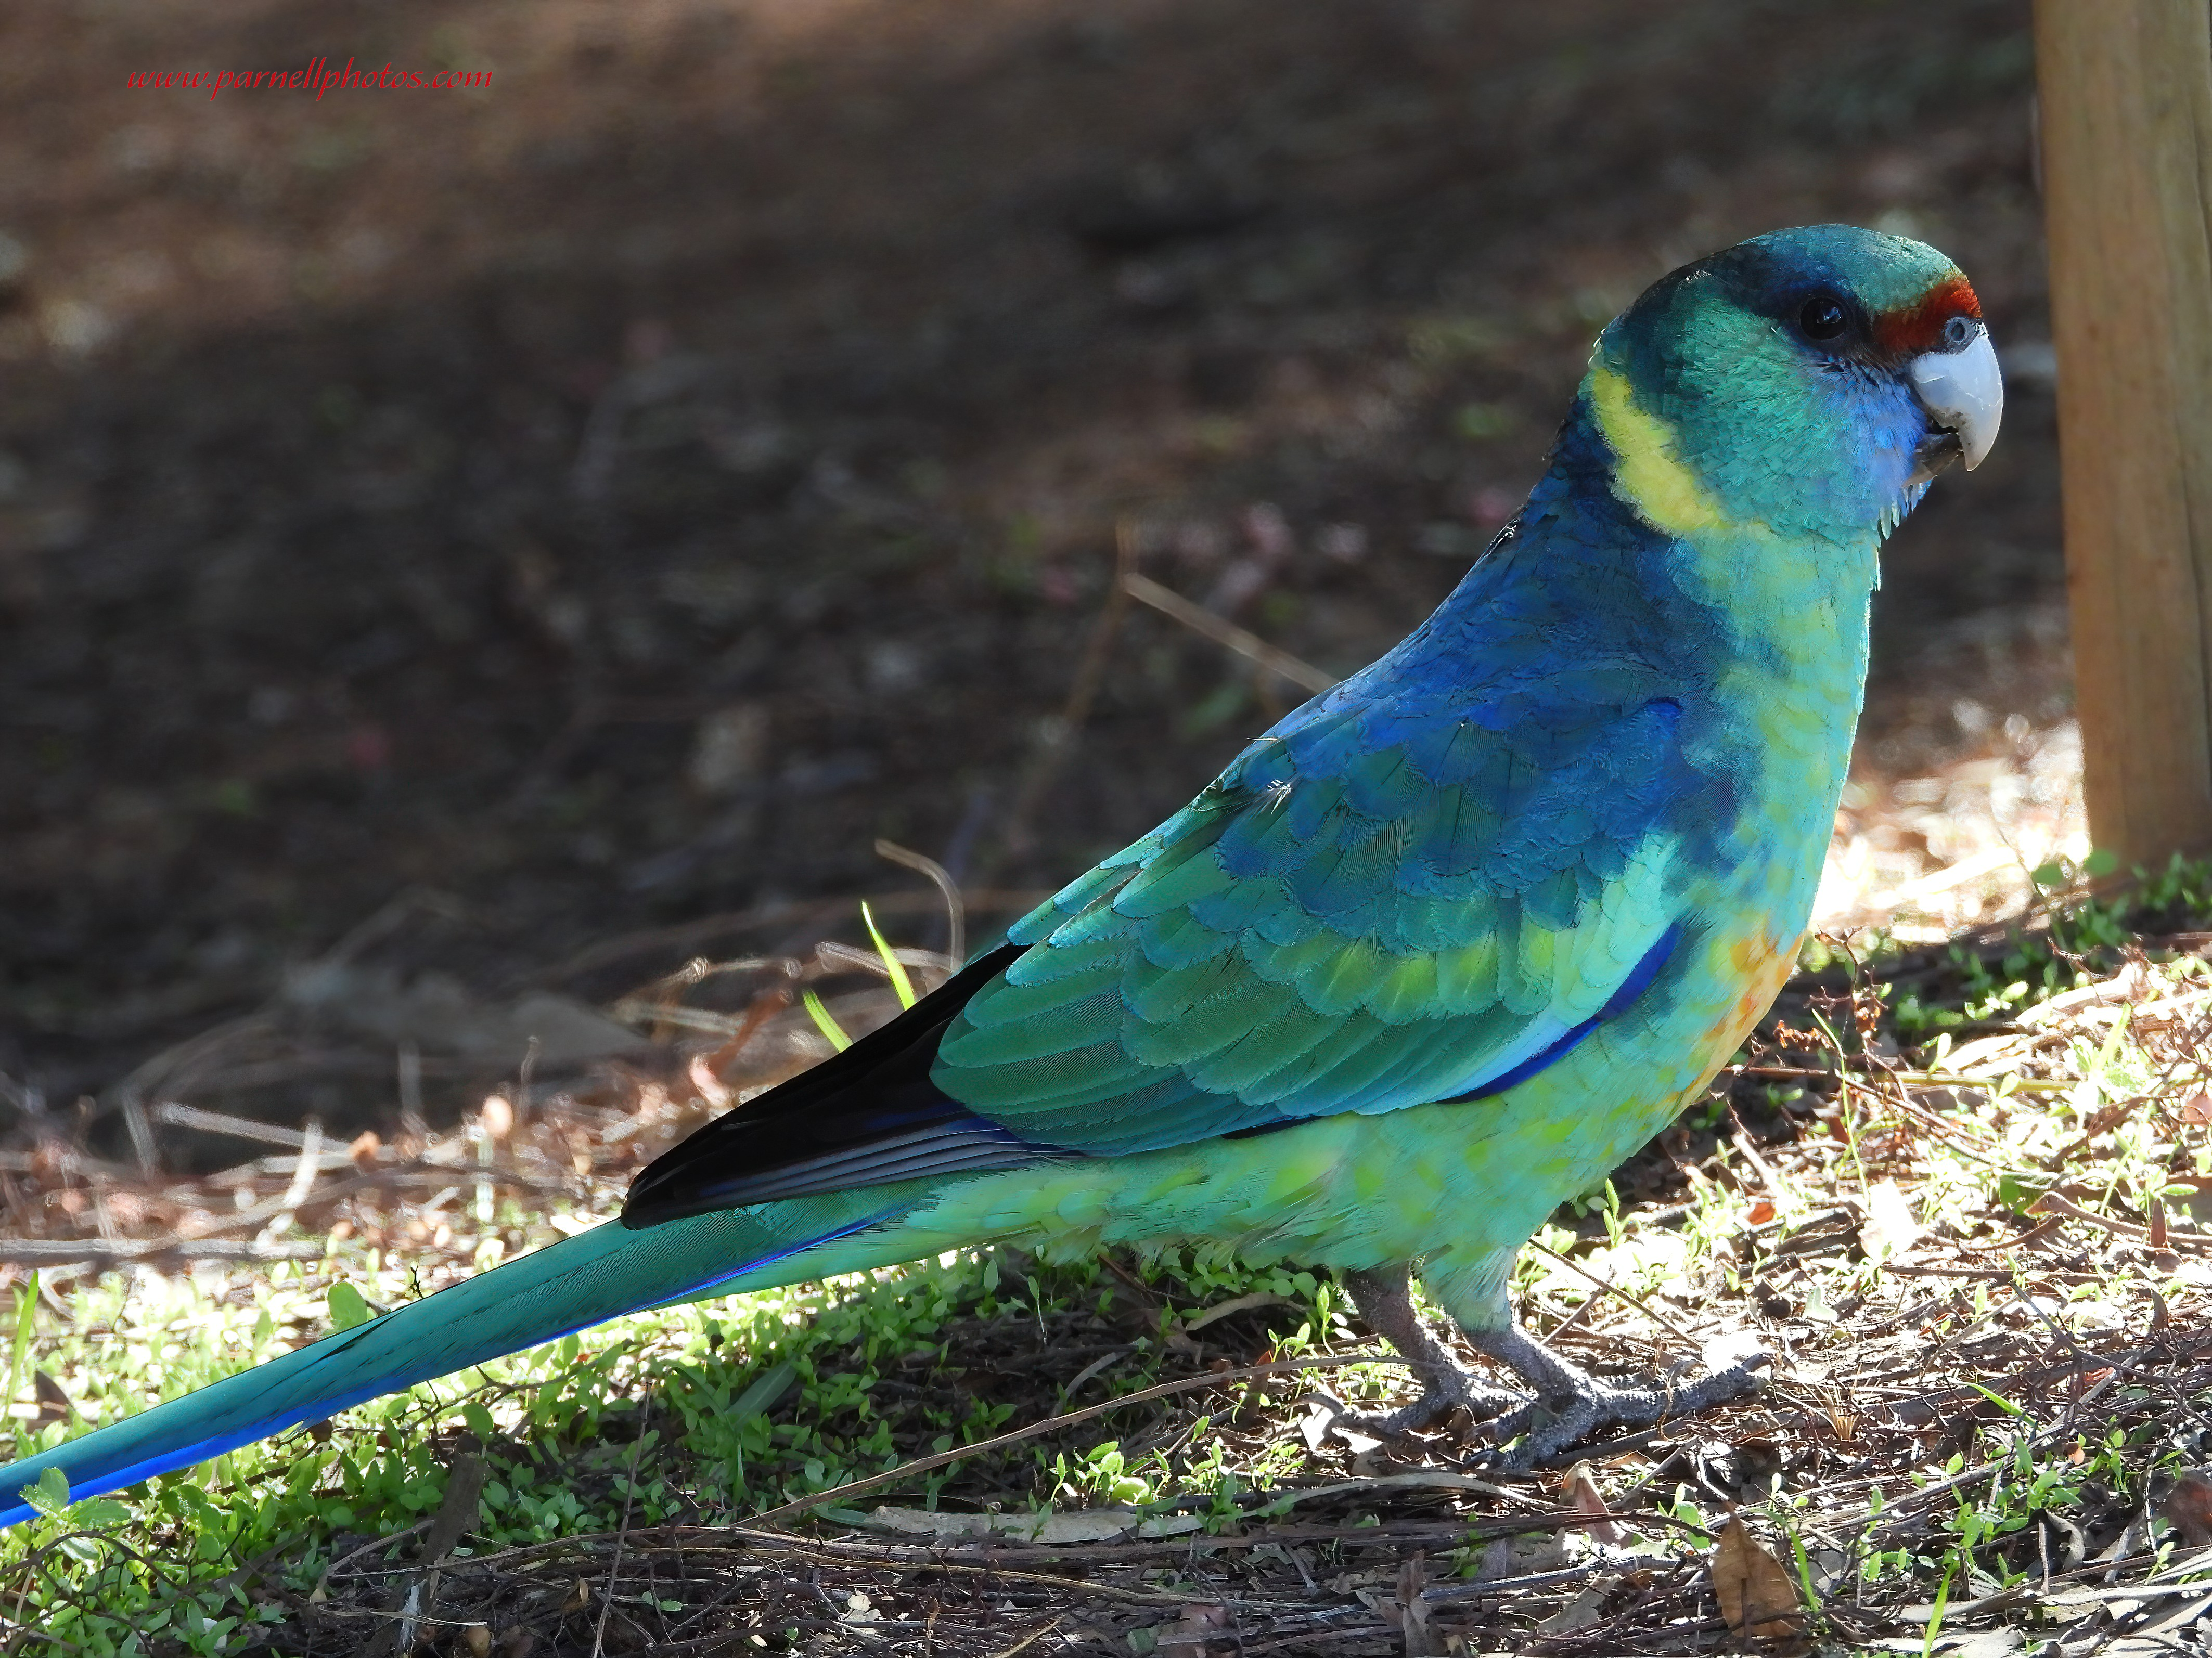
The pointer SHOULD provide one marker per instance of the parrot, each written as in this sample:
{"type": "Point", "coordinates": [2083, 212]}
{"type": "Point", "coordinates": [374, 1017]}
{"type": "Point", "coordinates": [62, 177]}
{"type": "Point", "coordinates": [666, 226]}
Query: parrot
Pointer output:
{"type": "Point", "coordinates": [1425, 959]}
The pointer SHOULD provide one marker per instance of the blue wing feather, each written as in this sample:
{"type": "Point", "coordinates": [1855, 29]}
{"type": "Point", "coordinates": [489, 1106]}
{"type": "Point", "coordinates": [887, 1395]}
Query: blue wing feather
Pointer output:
{"type": "Point", "coordinates": [1427, 883]}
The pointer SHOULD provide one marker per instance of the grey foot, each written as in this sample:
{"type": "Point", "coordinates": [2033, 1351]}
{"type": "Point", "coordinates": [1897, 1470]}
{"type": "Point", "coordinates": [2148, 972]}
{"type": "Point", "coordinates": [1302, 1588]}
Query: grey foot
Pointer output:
{"type": "Point", "coordinates": [1385, 1299]}
{"type": "Point", "coordinates": [1568, 1403]}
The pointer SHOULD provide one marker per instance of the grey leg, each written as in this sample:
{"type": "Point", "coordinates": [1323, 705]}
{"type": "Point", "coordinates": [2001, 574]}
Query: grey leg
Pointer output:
{"type": "Point", "coordinates": [1568, 1403]}
{"type": "Point", "coordinates": [1385, 1299]}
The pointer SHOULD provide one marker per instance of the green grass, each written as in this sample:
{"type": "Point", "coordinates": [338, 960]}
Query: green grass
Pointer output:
{"type": "Point", "coordinates": [723, 1409]}
{"type": "Point", "coordinates": [711, 1413]}
{"type": "Point", "coordinates": [720, 1409]}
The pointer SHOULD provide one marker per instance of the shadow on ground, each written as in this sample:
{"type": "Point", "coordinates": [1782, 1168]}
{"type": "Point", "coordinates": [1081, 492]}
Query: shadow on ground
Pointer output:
{"type": "Point", "coordinates": [622, 493]}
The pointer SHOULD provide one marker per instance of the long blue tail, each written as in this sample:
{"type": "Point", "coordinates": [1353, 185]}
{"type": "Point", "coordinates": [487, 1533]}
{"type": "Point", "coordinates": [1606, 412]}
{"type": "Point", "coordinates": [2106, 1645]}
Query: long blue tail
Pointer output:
{"type": "Point", "coordinates": [581, 1281]}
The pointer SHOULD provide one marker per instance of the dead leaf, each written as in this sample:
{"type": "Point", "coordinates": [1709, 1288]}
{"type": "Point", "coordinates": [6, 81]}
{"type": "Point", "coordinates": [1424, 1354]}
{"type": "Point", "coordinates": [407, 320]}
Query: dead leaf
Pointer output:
{"type": "Point", "coordinates": [1197, 1625]}
{"type": "Point", "coordinates": [1890, 1226]}
{"type": "Point", "coordinates": [2188, 1508]}
{"type": "Point", "coordinates": [1414, 1623]}
{"type": "Point", "coordinates": [1328, 1419]}
{"type": "Point", "coordinates": [2197, 1109]}
{"type": "Point", "coordinates": [1362, 1448]}
{"type": "Point", "coordinates": [1521, 1555]}
{"type": "Point", "coordinates": [1586, 1608]}
{"type": "Point", "coordinates": [1761, 1212]}
{"type": "Point", "coordinates": [1581, 1494]}
{"type": "Point", "coordinates": [1757, 1597]}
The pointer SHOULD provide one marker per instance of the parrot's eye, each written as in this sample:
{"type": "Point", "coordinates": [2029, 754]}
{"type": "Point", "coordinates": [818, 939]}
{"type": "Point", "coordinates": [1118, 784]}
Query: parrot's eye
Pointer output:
{"type": "Point", "coordinates": [1959, 333]}
{"type": "Point", "coordinates": [1824, 318]}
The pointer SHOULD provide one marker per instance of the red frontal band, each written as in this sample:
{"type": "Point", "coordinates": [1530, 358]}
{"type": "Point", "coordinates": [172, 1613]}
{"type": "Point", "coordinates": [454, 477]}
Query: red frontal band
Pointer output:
{"type": "Point", "coordinates": [1910, 330]}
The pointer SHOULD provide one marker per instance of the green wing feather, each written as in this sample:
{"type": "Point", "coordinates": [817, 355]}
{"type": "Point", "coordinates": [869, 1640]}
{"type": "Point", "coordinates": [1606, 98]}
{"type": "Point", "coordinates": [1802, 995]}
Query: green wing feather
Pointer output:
{"type": "Point", "coordinates": [1340, 922]}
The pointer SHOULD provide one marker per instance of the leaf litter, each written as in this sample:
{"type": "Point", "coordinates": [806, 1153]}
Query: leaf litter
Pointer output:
{"type": "Point", "coordinates": [1961, 1195]}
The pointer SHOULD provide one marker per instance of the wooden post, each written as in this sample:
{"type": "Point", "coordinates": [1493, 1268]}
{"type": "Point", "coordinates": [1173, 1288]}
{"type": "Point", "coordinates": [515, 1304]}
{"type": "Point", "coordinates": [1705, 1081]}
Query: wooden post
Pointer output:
{"type": "Point", "coordinates": [2126, 111]}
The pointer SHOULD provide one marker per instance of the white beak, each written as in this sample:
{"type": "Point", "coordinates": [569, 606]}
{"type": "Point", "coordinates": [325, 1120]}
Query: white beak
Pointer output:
{"type": "Point", "coordinates": [1963, 392]}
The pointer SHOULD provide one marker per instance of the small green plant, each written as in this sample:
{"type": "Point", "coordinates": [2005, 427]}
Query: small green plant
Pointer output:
{"type": "Point", "coordinates": [893, 969]}
{"type": "Point", "coordinates": [824, 1021]}
{"type": "Point", "coordinates": [26, 1302]}
{"type": "Point", "coordinates": [2087, 935]}
{"type": "Point", "coordinates": [1100, 1474]}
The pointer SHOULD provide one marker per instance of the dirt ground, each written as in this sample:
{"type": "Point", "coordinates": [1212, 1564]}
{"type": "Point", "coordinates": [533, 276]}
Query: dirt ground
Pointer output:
{"type": "Point", "coordinates": [618, 495]}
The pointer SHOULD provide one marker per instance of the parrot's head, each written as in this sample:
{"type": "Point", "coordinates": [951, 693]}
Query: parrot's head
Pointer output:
{"type": "Point", "coordinates": [1810, 382]}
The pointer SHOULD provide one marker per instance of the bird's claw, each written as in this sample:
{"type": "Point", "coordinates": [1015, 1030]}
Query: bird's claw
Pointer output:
{"type": "Point", "coordinates": [1546, 1429]}
{"type": "Point", "coordinates": [1445, 1391]}
{"type": "Point", "coordinates": [1564, 1404]}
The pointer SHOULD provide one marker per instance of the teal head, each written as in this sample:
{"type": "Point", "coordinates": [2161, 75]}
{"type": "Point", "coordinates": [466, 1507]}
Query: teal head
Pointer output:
{"type": "Point", "coordinates": [1805, 385]}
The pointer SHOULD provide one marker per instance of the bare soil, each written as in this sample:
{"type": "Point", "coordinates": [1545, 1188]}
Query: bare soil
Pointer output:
{"type": "Point", "coordinates": [616, 497]}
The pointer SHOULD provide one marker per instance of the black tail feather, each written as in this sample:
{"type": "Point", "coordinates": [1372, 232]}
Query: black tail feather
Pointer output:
{"type": "Point", "coordinates": [864, 1117]}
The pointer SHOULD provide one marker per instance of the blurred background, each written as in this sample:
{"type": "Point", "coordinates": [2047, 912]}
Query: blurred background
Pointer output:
{"type": "Point", "coordinates": [465, 553]}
